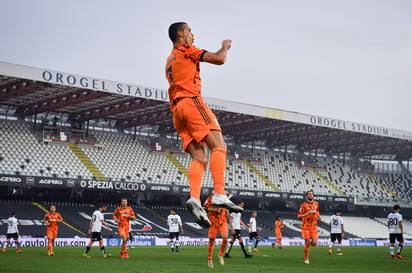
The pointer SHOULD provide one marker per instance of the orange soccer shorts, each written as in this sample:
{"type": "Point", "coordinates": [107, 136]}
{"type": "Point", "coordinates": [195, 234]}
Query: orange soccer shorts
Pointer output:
{"type": "Point", "coordinates": [309, 233]}
{"type": "Point", "coordinates": [193, 120]}
{"type": "Point", "coordinates": [51, 233]}
{"type": "Point", "coordinates": [124, 231]}
{"type": "Point", "coordinates": [278, 235]}
{"type": "Point", "coordinates": [213, 230]}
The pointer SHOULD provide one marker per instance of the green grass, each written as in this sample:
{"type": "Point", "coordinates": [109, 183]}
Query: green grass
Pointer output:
{"type": "Point", "coordinates": [194, 259]}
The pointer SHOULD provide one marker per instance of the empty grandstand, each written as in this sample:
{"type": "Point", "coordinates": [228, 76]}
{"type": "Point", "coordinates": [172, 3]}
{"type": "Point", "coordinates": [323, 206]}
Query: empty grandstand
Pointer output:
{"type": "Point", "coordinates": [79, 145]}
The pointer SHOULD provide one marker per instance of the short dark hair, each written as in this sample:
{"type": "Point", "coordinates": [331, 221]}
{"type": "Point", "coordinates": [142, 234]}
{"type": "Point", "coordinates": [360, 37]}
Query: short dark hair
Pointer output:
{"type": "Point", "coordinates": [338, 211]}
{"type": "Point", "coordinates": [174, 28]}
{"type": "Point", "coordinates": [306, 194]}
{"type": "Point", "coordinates": [13, 213]}
{"type": "Point", "coordinates": [396, 207]}
{"type": "Point", "coordinates": [239, 201]}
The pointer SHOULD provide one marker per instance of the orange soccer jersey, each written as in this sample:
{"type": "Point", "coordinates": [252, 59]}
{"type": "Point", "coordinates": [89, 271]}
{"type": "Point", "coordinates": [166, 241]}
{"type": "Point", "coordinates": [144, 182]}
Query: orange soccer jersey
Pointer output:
{"type": "Point", "coordinates": [52, 220]}
{"type": "Point", "coordinates": [182, 72]}
{"type": "Point", "coordinates": [123, 215]}
{"type": "Point", "coordinates": [278, 228]}
{"type": "Point", "coordinates": [310, 221]}
{"type": "Point", "coordinates": [217, 217]}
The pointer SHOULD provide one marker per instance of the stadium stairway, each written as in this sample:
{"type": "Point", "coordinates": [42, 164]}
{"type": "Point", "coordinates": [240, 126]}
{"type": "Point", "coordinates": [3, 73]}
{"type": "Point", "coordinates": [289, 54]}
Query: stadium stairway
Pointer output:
{"type": "Point", "coordinates": [87, 162]}
{"type": "Point", "coordinates": [330, 184]}
{"type": "Point", "coordinates": [261, 176]}
{"type": "Point", "coordinates": [380, 184]}
{"type": "Point", "coordinates": [177, 164]}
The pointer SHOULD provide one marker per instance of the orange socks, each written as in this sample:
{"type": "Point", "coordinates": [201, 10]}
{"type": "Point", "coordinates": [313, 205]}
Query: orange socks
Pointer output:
{"type": "Point", "coordinates": [223, 247]}
{"type": "Point", "coordinates": [306, 251]}
{"type": "Point", "coordinates": [195, 173]}
{"type": "Point", "coordinates": [218, 169]}
{"type": "Point", "coordinates": [210, 249]}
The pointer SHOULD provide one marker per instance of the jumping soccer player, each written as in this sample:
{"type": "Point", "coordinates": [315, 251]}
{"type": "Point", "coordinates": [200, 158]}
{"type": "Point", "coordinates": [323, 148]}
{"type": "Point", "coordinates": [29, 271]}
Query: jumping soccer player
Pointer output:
{"type": "Point", "coordinates": [194, 121]}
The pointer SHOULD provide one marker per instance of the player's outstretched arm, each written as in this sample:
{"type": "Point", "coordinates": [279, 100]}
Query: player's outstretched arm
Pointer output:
{"type": "Point", "coordinates": [219, 57]}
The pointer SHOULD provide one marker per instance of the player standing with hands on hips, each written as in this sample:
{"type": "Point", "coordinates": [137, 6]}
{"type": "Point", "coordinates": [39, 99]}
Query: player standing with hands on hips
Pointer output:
{"type": "Point", "coordinates": [195, 123]}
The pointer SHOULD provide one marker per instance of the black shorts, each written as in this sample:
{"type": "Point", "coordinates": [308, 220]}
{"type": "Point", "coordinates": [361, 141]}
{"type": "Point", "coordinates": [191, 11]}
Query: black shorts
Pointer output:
{"type": "Point", "coordinates": [253, 235]}
{"type": "Point", "coordinates": [96, 236]}
{"type": "Point", "coordinates": [336, 236]}
{"type": "Point", "coordinates": [237, 234]}
{"type": "Point", "coordinates": [15, 236]}
{"type": "Point", "coordinates": [397, 236]}
{"type": "Point", "coordinates": [174, 235]}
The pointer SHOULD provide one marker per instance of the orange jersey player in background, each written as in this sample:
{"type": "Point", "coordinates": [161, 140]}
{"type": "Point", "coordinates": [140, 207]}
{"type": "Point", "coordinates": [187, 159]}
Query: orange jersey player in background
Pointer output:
{"type": "Point", "coordinates": [52, 220]}
{"type": "Point", "coordinates": [218, 223]}
{"type": "Point", "coordinates": [122, 215]}
{"type": "Point", "coordinates": [309, 212]}
{"type": "Point", "coordinates": [278, 232]}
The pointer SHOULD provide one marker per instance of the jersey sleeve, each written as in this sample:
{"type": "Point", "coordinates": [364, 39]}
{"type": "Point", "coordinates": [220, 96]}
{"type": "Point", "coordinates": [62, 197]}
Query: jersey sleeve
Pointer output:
{"type": "Point", "coordinates": [195, 54]}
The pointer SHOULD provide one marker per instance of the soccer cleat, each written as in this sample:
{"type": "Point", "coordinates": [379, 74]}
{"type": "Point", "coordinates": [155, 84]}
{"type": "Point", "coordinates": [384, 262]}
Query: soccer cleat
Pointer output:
{"type": "Point", "coordinates": [4, 250]}
{"type": "Point", "coordinates": [18, 250]}
{"type": "Point", "coordinates": [177, 249]}
{"type": "Point", "coordinates": [210, 264]}
{"type": "Point", "coordinates": [198, 212]}
{"type": "Point", "coordinates": [107, 255]}
{"type": "Point", "coordinates": [221, 260]}
{"type": "Point", "coordinates": [399, 256]}
{"type": "Point", "coordinates": [221, 201]}
{"type": "Point", "coordinates": [339, 254]}
{"type": "Point", "coordinates": [173, 250]}
{"type": "Point", "coordinates": [121, 255]}
{"type": "Point", "coordinates": [248, 255]}
{"type": "Point", "coordinates": [227, 256]}
{"type": "Point", "coordinates": [126, 255]}
{"type": "Point", "coordinates": [273, 245]}
{"type": "Point", "coordinates": [307, 262]}
{"type": "Point", "coordinates": [86, 256]}
{"type": "Point", "coordinates": [330, 251]}
{"type": "Point", "coordinates": [256, 250]}
{"type": "Point", "coordinates": [51, 253]}
{"type": "Point", "coordinates": [393, 257]}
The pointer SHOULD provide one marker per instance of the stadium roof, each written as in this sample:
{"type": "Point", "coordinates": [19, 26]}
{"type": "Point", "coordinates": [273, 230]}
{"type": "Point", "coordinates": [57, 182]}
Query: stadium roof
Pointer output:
{"type": "Point", "coordinates": [46, 95]}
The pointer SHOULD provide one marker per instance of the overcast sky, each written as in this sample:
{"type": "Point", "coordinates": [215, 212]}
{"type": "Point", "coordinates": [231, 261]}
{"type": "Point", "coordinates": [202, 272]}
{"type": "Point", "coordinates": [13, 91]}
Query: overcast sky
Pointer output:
{"type": "Point", "coordinates": [344, 59]}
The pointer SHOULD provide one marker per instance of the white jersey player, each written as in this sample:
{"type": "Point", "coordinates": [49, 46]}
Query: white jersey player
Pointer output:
{"type": "Point", "coordinates": [12, 232]}
{"type": "Point", "coordinates": [336, 231]}
{"type": "Point", "coordinates": [235, 221]}
{"type": "Point", "coordinates": [95, 230]}
{"type": "Point", "coordinates": [395, 227]}
{"type": "Point", "coordinates": [253, 233]}
{"type": "Point", "coordinates": [174, 222]}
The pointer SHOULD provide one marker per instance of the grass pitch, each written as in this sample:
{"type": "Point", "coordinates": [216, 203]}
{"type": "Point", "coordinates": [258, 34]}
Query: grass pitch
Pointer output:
{"type": "Point", "coordinates": [194, 259]}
